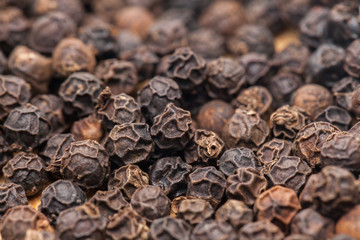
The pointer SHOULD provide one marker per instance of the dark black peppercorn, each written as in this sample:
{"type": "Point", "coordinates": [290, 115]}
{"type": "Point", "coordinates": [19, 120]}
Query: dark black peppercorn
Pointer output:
{"type": "Point", "coordinates": [11, 195]}
{"type": "Point", "coordinates": [342, 91]}
{"type": "Point", "coordinates": [212, 230]}
{"type": "Point", "coordinates": [109, 202]}
{"type": "Point", "coordinates": [257, 67]}
{"type": "Point", "coordinates": [170, 228]}
{"type": "Point", "coordinates": [337, 116]}
{"type": "Point", "coordinates": [56, 146]}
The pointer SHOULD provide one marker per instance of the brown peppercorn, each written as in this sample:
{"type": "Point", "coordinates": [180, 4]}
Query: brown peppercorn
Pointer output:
{"type": "Point", "coordinates": [333, 191]}
{"type": "Point", "coordinates": [52, 107]}
{"type": "Point", "coordinates": [246, 184]}
{"type": "Point", "coordinates": [175, 204]}
{"type": "Point", "coordinates": [134, 19]}
{"type": "Point", "coordinates": [205, 147]}
{"type": "Point", "coordinates": [56, 146]}
{"type": "Point", "coordinates": [342, 237]}
{"type": "Point", "coordinates": [299, 237]}
{"type": "Point", "coordinates": [257, 67]}
{"type": "Point", "coordinates": [128, 178]}
{"type": "Point", "coordinates": [286, 121]}
{"type": "Point", "coordinates": [337, 116]}
{"type": "Point", "coordinates": [245, 128]}
{"type": "Point", "coordinates": [349, 223]}
{"type": "Point", "coordinates": [79, 93]}
{"type": "Point", "coordinates": [165, 36]}
{"type": "Point", "coordinates": [312, 98]}
{"type": "Point", "coordinates": [127, 224]}
{"type": "Point", "coordinates": [234, 212]}
{"type": "Point", "coordinates": [213, 230]}
{"type": "Point", "coordinates": [72, 55]}
{"type": "Point", "coordinates": [18, 220]}
{"type": "Point", "coordinates": [58, 196]}
{"type": "Point", "coordinates": [342, 150]}
{"type": "Point", "coordinates": [12, 195]}
{"type": "Point", "coordinates": [257, 98]}
{"type": "Point", "coordinates": [48, 30]}
{"type": "Point", "coordinates": [27, 127]}
{"type": "Point", "coordinates": [194, 211]}
{"type": "Point", "coordinates": [207, 183]}
{"type": "Point", "coordinates": [270, 152]}
{"type": "Point", "coordinates": [278, 205]}
{"type": "Point", "coordinates": [225, 77]}
{"type": "Point", "coordinates": [310, 139]}
{"type": "Point", "coordinates": [106, 9]}
{"type": "Point", "coordinates": [235, 158]}
{"type": "Point", "coordinates": [39, 235]}
{"type": "Point", "coordinates": [355, 101]}
{"type": "Point", "coordinates": [14, 92]}
{"type": "Point", "coordinates": [186, 68]}
{"type": "Point", "coordinates": [156, 94]}
{"type": "Point", "coordinates": [343, 90]}
{"type": "Point", "coordinates": [84, 221]}
{"type": "Point", "coordinates": [32, 67]}
{"type": "Point", "coordinates": [87, 128]}
{"type": "Point", "coordinates": [311, 223]}
{"type": "Point", "coordinates": [85, 163]}
{"type": "Point", "coordinates": [199, 43]}
{"type": "Point", "coordinates": [289, 171]}
{"type": "Point", "coordinates": [170, 174]}
{"type": "Point", "coordinates": [260, 230]}
{"type": "Point", "coordinates": [180, 123]}
{"type": "Point", "coordinates": [170, 228]}
{"type": "Point", "coordinates": [129, 143]}
{"type": "Point", "coordinates": [351, 59]}
{"type": "Point", "coordinates": [150, 202]}
{"type": "Point", "coordinates": [223, 16]}
{"type": "Point", "coordinates": [3, 63]}
{"type": "Point", "coordinates": [109, 202]}
{"type": "Point", "coordinates": [117, 109]}
{"type": "Point", "coordinates": [214, 115]}
{"type": "Point", "coordinates": [119, 76]}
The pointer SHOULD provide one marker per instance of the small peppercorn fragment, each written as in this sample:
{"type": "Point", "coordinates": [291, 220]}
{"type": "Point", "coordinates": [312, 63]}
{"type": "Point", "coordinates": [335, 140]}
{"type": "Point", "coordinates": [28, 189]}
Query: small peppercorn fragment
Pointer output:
{"type": "Point", "coordinates": [127, 224]}
{"type": "Point", "coordinates": [270, 152]}
{"type": "Point", "coordinates": [58, 196]}
{"type": "Point", "coordinates": [170, 228]}
{"type": "Point", "coordinates": [312, 223]}
{"type": "Point", "coordinates": [12, 195]}
{"type": "Point", "coordinates": [89, 127]}
{"type": "Point", "coordinates": [349, 223]}
{"type": "Point", "coordinates": [260, 230]}
{"type": "Point", "coordinates": [119, 76]}
{"type": "Point", "coordinates": [18, 220]}
{"type": "Point", "coordinates": [170, 174]}
{"type": "Point", "coordinates": [56, 146]}
{"type": "Point", "coordinates": [246, 184]}
{"type": "Point", "coordinates": [14, 92]}
{"type": "Point", "coordinates": [234, 212]}
{"type": "Point", "coordinates": [235, 158]}
{"type": "Point", "coordinates": [129, 143]}
{"type": "Point", "coordinates": [84, 221]}
{"type": "Point", "coordinates": [27, 170]}
{"type": "Point", "coordinates": [337, 116]}
{"type": "Point", "coordinates": [150, 202]}
{"type": "Point", "coordinates": [282, 86]}
{"type": "Point", "coordinates": [351, 59]}
{"type": "Point", "coordinates": [342, 91]}
{"type": "Point", "coordinates": [310, 139]}
{"type": "Point", "coordinates": [332, 191]}
{"type": "Point", "coordinates": [79, 93]}
{"type": "Point", "coordinates": [128, 179]}
{"type": "Point", "coordinates": [109, 202]}
{"type": "Point", "coordinates": [194, 211]}
{"type": "Point", "coordinates": [156, 94]}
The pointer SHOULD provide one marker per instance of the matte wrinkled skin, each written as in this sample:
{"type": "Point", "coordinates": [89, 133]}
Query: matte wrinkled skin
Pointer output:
{"type": "Point", "coordinates": [270, 152]}
{"type": "Point", "coordinates": [55, 148]}
{"type": "Point", "coordinates": [337, 116]}
{"type": "Point", "coordinates": [170, 228]}
{"type": "Point", "coordinates": [109, 202]}
{"type": "Point", "coordinates": [11, 195]}
{"type": "Point", "coordinates": [213, 230]}
{"type": "Point", "coordinates": [282, 86]}
{"type": "Point", "coordinates": [351, 59]}
{"type": "Point", "coordinates": [342, 91]}
{"type": "Point", "coordinates": [89, 127]}
{"type": "Point", "coordinates": [194, 211]}
{"type": "Point", "coordinates": [234, 212]}
{"type": "Point", "coordinates": [260, 230]}
{"type": "Point", "coordinates": [257, 98]}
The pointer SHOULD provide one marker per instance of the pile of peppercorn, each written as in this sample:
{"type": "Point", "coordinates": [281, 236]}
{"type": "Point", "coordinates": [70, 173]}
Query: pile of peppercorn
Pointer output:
{"type": "Point", "coordinates": [177, 119]}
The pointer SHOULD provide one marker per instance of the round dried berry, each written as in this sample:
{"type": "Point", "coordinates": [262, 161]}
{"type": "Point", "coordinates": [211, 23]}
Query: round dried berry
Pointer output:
{"type": "Point", "coordinates": [128, 179]}
{"type": "Point", "coordinates": [170, 228]}
{"type": "Point", "coordinates": [342, 91]}
{"type": "Point", "coordinates": [195, 210]}
{"type": "Point", "coordinates": [270, 152]}
{"type": "Point", "coordinates": [260, 230]}
{"type": "Point", "coordinates": [235, 158]}
{"type": "Point", "coordinates": [79, 93]}
{"type": "Point", "coordinates": [257, 67]}
{"type": "Point", "coordinates": [172, 129]}
{"type": "Point", "coordinates": [332, 192]}
{"type": "Point", "coordinates": [310, 139]}
{"type": "Point", "coordinates": [187, 69]}
{"type": "Point", "coordinates": [213, 230]}
{"type": "Point", "coordinates": [207, 183]}
{"type": "Point", "coordinates": [27, 170]}
{"type": "Point", "coordinates": [56, 145]}
{"type": "Point", "coordinates": [84, 221]}
{"type": "Point", "coordinates": [156, 94]}
{"type": "Point", "coordinates": [14, 91]}
{"type": "Point", "coordinates": [109, 202]}
{"type": "Point", "coordinates": [129, 143]}
{"type": "Point", "coordinates": [234, 212]}
{"type": "Point", "coordinates": [246, 184]}
{"type": "Point", "coordinates": [348, 224]}
{"type": "Point", "coordinates": [18, 220]}
{"type": "Point", "coordinates": [150, 202]}
{"type": "Point", "coordinates": [289, 171]}
{"type": "Point", "coordinates": [58, 196]}
{"type": "Point", "coordinates": [352, 58]}
{"type": "Point", "coordinates": [199, 43]}
{"type": "Point", "coordinates": [170, 174]}
{"type": "Point", "coordinates": [225, 77]}
{"type": "Point", "coordinates": [89, 127]}
{"type": "Point", "coordinates": [11, 195]}
{"type": "Point", "coordinates": [119, 76]}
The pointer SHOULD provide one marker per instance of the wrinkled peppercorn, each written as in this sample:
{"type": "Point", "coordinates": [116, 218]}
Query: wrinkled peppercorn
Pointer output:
{"type": "Point", "coordinates": [270, 152]}
{"type": "Point", "coordinates": [282, 86]}
{"type": "Point", "coordinates": [294, 10]}
{"type": "Point", "coordinates": [342, 91]}
{"type": "Point", "coordinates": [11, 195]}
{"type": "Point", "coordinates": [56, 146]}
{"type": "Point", "coordinates": [127, 41]}
{"type": "Point", "coordinates": [337, 116]}
{"type": "Point", "coordinates": [58, 196]}
{"type": "Point", "coordinates": [170, 228]}
{"type": "Point", "coordinates": [212, 230]}
{"type": "Point", "coordinates": [109, 202]}
{"type": "Point", "coordinates": [355, 101]}
{"type": "Point", "coordinates": [194, 211]}
{"type": "Point", "coordinates": [351, 59]}
{"type": "Point", "coordinates": [260, 230]}
{"type": "Point", "coordinates": [234, 212]}
{"type": "Point", "coordinates": [87, 128]}
{"type": "Point", "coordinates": [3, 63]}
{"type": "Point", "coordinates": [39, 235]}
{"type": "Point", "coordinates": [199, 43]}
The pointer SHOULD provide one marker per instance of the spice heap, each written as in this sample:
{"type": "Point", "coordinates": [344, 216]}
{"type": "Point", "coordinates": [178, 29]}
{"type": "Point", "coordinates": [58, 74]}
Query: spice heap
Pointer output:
{"type": "Point", "coordinates": [181, 120]}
